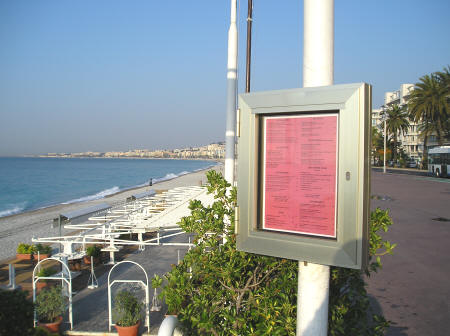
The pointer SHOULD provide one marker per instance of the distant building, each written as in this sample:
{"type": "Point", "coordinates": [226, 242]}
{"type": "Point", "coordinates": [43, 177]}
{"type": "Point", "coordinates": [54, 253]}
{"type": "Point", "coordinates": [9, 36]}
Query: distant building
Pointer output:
{"type": "Point", "coordinates": [211, 151]}
{"type": "Point", "coordinates": [410, 141]}
{"type": "Point", "coordinates": [377, 118]}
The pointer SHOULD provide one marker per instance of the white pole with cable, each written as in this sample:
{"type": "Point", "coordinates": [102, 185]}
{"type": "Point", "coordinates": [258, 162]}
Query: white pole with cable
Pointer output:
{"type": "Point", "coordinates": [318, 67]}
{"type": "Point", "coordinates": [231, 96]}
{"type": "Point", "coordinates": [230, 133]}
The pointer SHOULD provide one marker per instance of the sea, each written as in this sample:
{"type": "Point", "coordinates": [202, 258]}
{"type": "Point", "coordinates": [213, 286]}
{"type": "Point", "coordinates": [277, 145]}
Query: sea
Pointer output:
{"type": "Point", "coordinates": [32, 183]}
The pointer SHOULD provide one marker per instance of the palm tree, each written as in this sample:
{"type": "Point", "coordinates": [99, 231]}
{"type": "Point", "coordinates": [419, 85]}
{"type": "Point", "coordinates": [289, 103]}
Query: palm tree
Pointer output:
{"type": "Point", "coordinates": [425, 128]}
{"type": "Point", "coordinates": [377, 144]}
{"type": "Point", "coordinates": [397, 121]}
{"type": "Point", "coordinates": [429, 101]}
{"type": "Point", "coordinates": [444, 80]}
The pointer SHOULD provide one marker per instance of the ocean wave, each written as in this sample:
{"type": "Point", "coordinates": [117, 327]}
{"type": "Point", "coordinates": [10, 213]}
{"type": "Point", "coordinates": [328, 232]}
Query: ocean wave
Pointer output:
{"type": "Point", "coordinates": [169, 176]}
{"type": "Point", "coordinates": [98, 195]}
{"type": "Point", "coordinates": [204, 168]}
{"type": "Point", "coordinates": [116, 189]}
{"type": "Point", "coordinates": [12, 211]}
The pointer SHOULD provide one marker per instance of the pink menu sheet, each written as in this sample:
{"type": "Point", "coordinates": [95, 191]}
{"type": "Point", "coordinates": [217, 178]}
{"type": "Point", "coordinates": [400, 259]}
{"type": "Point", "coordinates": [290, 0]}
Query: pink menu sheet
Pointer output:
{"type": "Point", "coordinates": [299, 174]}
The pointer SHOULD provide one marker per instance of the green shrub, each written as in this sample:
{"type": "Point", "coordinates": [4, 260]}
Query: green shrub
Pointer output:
{"type": "Point", "coordinates": [93, 251]}
{"type": "Point", "coordinates": [157, 281]}
{"type": "Point", "coordinates": [127, 309]}
{"type": "Point", "coordinates": [23, 248]}
{"type": "Point", "coordinates": [349, 306]}
{"type": "Point", "coordinates": [46, 272]}
{"type": "Point", "coordinates": [218, 290]}
{"type": "Point", "coordinates": [42, 249]}
{"type": "Point", "coordinates": [16, 313]}
{"type": "Point", "coordinates": [50, 304]}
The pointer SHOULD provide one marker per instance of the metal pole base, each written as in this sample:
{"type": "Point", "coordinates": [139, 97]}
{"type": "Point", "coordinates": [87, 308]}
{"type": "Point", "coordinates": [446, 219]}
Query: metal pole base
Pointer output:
{"type": "Point", "coordinates": [312, 299]}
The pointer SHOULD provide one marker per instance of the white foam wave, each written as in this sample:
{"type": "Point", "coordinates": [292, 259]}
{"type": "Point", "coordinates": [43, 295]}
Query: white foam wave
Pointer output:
{"type": "Point", "coordinates": [98, 195]}
{"type": "Point", "coordinates": [12, 211]}
{"type": "Point", "coordinates": [204, 168]}
{"type": "Point", "coordinates": [169, 176]}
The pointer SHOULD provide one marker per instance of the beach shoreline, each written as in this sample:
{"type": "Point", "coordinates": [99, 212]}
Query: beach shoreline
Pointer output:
{"type": "Point", "coordinates": [22, 227]}
{"type": "Point", "coordinates": [113, 195]}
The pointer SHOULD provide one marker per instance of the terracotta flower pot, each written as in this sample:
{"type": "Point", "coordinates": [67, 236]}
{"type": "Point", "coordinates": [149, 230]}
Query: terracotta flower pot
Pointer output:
{"type": "Point", "coordinates": [52, 327]}
{"type": "Point", "coordinates": [41, 256]}
{"type": "Point", "coordinates": [128, 331]}
{"type": "Point", "coordinates": [87, 260]}
{"type": "Point", "coordinates": [75, 265]}
{"type": "Point", "coordinates": [40, 285]}
{"type": "Point", "coordinates": [22, 256]}
{"type": "Point", "coordinates": [174, 315]}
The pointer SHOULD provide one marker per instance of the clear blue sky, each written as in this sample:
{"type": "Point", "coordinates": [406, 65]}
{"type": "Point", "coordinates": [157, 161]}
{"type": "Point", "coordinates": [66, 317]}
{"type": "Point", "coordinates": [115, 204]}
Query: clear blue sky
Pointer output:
{"type": "Point", "coordinates": [116, 75]}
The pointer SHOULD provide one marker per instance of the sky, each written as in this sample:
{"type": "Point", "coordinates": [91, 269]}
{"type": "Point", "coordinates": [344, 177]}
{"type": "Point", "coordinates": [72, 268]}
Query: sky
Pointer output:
{"type": "Point", "coordinates": [107, 75]}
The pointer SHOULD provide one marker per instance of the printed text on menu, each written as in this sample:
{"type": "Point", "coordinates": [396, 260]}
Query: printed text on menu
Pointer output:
{"type": "Point", "coordinates": [300, 161]}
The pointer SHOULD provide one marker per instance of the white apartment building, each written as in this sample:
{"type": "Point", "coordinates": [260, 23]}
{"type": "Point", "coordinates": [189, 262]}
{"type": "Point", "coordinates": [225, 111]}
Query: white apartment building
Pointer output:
{"type": "Point", "coordinates": [377, 119]}
{"type": "Point", "coordinates": [410, 141]}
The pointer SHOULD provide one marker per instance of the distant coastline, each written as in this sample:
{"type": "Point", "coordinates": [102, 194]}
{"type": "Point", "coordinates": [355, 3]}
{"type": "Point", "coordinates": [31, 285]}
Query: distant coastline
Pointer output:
{"type": "Point", "coordinates": [120, 158]}
{"type": "Point", "coordinates": [214, 151]}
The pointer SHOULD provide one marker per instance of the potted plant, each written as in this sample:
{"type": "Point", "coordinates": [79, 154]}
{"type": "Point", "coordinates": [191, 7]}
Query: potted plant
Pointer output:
{"type": "Point", "coordinates": [24, 251]}
{"type": "Point", "coordinates": [45, 251]}
{"type": "Point", "coordinates": [44, 272]}
{"type": "Point", "coordinates": [50, 306]}
{"type": "Point", "coordinates": [92, 251]}
{"type": "Point", "coordinates": [127, 313]}
{"type": "Point", "coordinates": [75, 265]}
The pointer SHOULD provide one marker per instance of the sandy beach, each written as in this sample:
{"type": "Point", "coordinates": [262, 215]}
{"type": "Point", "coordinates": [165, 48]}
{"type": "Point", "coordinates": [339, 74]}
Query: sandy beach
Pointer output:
{"type": "Point", "coordinates": [38, 223]}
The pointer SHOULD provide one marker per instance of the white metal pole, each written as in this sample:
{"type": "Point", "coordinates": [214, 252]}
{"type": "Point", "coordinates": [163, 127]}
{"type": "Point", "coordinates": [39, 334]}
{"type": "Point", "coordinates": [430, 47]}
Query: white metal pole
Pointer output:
{"type": "Point", "coordinates": [147, 308]}
{"type": "Point", "coordinates": [318, 67]}
{"type": "Point", "coordinates": [230, 133]}
{"type": "Point", "coordinates": [109, 305]}
{"type": "Point", "coordinates": [318, 42]}
{"type": "Point", "coordinates": [231, 96]}
{"type": "Point", "coordinates": [12, 277]}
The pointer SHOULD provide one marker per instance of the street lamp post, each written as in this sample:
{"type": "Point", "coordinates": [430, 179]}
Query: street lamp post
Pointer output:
{"type": "Point", "coordinates": [385, 135]}
{"type": "Point", "coordinates": [384, 152]}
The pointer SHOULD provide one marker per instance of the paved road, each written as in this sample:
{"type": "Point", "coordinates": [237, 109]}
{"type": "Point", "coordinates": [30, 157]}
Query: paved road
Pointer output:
{"type": "Point", "coordinates": [407, 171]}
{"type": "Point", "coordinates": [413, 288]}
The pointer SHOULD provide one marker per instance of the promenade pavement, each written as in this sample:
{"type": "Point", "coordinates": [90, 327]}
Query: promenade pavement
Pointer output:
{"type": "Point", "coordinates": [412, 289]}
